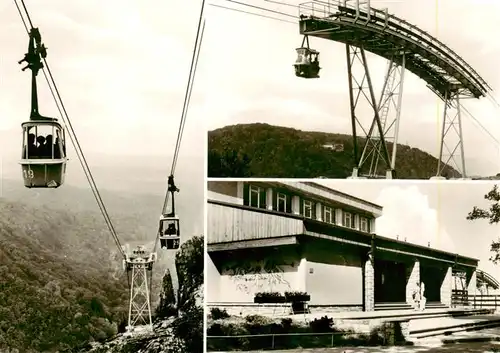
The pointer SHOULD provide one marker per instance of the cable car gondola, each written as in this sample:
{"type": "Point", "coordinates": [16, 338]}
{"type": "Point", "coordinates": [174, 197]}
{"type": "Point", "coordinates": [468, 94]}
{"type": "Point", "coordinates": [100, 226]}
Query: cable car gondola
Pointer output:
{"type": "Point", "coordinates": [307, 63]}
{"type": "Point", "coordinates": [43, 159]}
{"type": "Point", "coordinates": [169, 228]}
{"type": "Point", "coordinates": [169, 232]}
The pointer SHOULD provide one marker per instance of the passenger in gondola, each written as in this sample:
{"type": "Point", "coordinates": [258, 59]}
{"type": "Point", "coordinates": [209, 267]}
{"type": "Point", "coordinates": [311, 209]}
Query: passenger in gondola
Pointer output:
{"type": "Point", "coordinates": [40, 148]}
{"type": "Point", "coordinates": [57, 149]}
{"type": "Point", "coordinates": [171, 229]}
{"type": "Point", "coordinates": [31, 146]}
{"type": "Point", "coordinates": [47, 153]}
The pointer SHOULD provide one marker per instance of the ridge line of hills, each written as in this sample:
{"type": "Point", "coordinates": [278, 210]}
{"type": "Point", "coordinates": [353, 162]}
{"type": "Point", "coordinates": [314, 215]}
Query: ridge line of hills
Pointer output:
{"type": "Point", "coordinates": [262, 150]}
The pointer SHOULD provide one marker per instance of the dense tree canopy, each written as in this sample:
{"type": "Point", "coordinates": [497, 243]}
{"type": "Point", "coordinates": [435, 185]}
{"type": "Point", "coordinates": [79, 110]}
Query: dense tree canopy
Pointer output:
{"type": "Point", "coordinates": [262, 150]}
{"type": "Point", "coordinates": [492, 214]}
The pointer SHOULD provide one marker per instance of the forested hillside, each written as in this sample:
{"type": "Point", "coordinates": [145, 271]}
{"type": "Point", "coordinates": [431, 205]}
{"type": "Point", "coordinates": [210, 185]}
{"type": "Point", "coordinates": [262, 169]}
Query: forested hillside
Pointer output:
{"type": "Point", "coordinates": [61, 279]}
{"type": "Point", "coordinates": [262, 150]}
{"type": "Point", "coordinates": [56, 279]}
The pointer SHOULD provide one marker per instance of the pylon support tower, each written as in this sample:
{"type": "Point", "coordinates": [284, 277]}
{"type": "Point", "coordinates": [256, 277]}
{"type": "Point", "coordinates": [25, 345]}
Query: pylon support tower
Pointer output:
{"type": "Point", "coordinates": [451, 147]}
{"type": "Point", "coordinates": [139, 267]}
{"type": "Point", "coordinates": [375, 156]}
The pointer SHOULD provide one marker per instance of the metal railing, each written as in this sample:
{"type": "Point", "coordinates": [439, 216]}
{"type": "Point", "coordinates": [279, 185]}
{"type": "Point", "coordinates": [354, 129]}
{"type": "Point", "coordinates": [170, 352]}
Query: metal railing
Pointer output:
{"type": "Point", "coordinates": [477, 301]}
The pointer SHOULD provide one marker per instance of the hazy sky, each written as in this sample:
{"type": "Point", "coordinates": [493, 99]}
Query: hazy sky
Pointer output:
{"type": "Point", "coordinates": [256, 82]}
{"type": "Point", "coordinates": [431, 212]}
{"type": "Point", "coordinates": [121, 66]}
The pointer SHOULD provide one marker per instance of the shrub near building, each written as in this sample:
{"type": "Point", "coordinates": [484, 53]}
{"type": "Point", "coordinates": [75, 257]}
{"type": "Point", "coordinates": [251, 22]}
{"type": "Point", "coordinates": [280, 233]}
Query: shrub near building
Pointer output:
{"type": "Point", "coordinates": [315, 334]}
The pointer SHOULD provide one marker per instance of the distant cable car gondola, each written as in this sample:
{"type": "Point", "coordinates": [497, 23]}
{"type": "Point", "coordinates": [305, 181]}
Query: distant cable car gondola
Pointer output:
{"type": "Point", "coordinates": [169, 228]}
{"type": "Point", "coordinates": [307, 63]}
{"type": "Point", "coordinates": [43, 157]}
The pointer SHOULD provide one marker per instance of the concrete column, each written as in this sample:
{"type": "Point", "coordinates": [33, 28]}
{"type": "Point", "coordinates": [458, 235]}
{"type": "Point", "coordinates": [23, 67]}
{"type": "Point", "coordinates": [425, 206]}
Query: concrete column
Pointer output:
{"type": "Point", "coordinates": [446, 287]}
{"type": "Point", "coordinates": [412, 281]}
{"type": "Point", "coordinates": [369, 279]}
{"type": "Point", "coordinates": [240, 192]}
{"type": "Point", "coordinates": [471, 283]}
{"type": "Point", "coordinates": [295, 205]}
{"type": "Point", "coordinates": [301, 282]}
{"type": "Point", "coordinates": [269, 199]}
{"type": "Point", "coordinates": [357, 221]}
{"type": "Point", "coordinates": [338, 216]}
{"type": "Point", "coordinates": [319, 214]}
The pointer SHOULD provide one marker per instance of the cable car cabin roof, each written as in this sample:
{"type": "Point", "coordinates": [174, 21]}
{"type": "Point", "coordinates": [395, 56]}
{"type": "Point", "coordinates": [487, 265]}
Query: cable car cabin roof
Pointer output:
{"type": "Point", "coordinates": [312, 51]}
{"type": "Point", "coordinates": [42, 122]}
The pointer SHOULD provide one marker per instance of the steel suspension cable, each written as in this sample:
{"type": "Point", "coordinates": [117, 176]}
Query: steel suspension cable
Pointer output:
{"type": "Point", "coordinates": [62, 111]}
{"type": "Point", "coordinates": [192, 70]}
{"type": "Point", "coordinates": [252, 13]}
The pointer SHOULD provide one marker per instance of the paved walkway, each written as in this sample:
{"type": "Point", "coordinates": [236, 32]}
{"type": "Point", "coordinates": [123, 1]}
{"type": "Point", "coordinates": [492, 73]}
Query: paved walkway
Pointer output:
{"type": "Point", "coordinates": [448, 348]}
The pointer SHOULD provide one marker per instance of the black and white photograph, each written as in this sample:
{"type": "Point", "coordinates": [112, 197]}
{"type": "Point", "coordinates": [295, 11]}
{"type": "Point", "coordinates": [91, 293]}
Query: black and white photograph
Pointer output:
{"type": "Point", "coordinates": [352, 266]}
{"type": "Point", "coordinates": [102, 178]}
{"type": "Point", "coordinates": [393, 89]}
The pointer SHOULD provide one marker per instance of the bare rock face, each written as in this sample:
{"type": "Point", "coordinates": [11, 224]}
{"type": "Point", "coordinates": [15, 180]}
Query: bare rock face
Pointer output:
{"type": "Point", "coordinates": [161, 340]}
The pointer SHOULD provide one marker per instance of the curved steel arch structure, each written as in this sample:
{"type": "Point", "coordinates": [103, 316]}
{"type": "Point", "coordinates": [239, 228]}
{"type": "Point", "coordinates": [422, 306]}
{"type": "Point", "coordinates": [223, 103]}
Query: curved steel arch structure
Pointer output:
{"type": "Point", "coordinates": [362, 28]}
{"type": "Point", "coordinates": [487, 279]}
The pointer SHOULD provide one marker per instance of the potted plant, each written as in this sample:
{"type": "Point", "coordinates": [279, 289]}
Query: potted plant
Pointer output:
{"type": "Point", "coordinates": [268, 297]}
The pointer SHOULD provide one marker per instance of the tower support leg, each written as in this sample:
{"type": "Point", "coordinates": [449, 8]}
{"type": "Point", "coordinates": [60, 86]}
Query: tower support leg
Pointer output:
{"type": "Point", "coordinates": [390, 105]}
{"type": "Point", "coordinates": [361, 88]}
{"type": "Point", "coordinates": [139, 306]}
{"type": "Point", "coordinates": [451, 148]}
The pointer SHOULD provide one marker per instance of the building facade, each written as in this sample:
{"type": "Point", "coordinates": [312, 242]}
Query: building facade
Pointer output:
{"type": "Point", "coordinates": [302, 236]}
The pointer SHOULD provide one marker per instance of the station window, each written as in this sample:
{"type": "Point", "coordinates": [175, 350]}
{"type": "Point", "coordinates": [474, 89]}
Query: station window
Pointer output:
{"type": "Point", "coordinates": [348, 220]}
{"type": "Point", "coordinates": [308, 209]}
{"type": "Point", "coordinates": [256, 197]}
{"type": "Point", "coordinates": [364, 224]}
{"type": "Point", "coordinates": [282, 202]}
{"type": "Point", "coordinates": [328, 215]}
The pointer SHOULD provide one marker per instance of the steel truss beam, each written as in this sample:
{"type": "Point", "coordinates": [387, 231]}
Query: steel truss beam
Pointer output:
{"type": "Point", "coordinates": [451, 148]}
{"type": "Point", "coordinates": [382, 126]}
{"type": "Point", "coordinates": [140, 304]}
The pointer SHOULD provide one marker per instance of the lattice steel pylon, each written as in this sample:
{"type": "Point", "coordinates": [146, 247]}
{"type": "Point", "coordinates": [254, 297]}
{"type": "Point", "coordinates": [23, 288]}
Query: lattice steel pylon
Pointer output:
{"type": "Point", "coordinates": [451, 150]}
{"type": "Point", "coordinates": [384, 126]}
{"type": "Point", "coordinates": [362, 28]}
{"type": "Point", "coordinates": [139, 266]}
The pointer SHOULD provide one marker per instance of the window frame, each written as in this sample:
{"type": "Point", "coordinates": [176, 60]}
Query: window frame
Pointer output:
{"type": "Point", "coordinates": [281, 197]}
{"type": "Point", "coordinates": [349, 224]}
{"type": "Point", "coordinates": [310, 203]}
{"type": "Point", "coordinates": [332, 214]}
{"type": "Point", "coordinates": [254, 189]}
{"type": "Point", "coordinates": [366, 221]}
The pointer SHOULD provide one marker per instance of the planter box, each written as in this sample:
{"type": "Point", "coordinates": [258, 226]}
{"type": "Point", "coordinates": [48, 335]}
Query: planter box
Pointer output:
{"type": "Point", "coordinates": [298, 298]}
{"type": "Point", "coordinates": [269, 300]}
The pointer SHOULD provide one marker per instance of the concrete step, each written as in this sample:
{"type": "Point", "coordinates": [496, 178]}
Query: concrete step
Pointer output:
{"type": "Point", "coordinates": [453, 326]}
{"type": "Point", "coordinates": [414, 315]}
{"type": "Point", "coordinates": [392, 306]}
{"type": "Point", "coordinates": [404, 306]}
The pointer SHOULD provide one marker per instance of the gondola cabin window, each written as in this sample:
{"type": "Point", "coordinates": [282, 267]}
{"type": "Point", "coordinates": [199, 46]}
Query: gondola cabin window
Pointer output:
{"type": "Point", "coordinates": [302, 56]}
{"type": "Point", "coordinates": [43, 141]}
